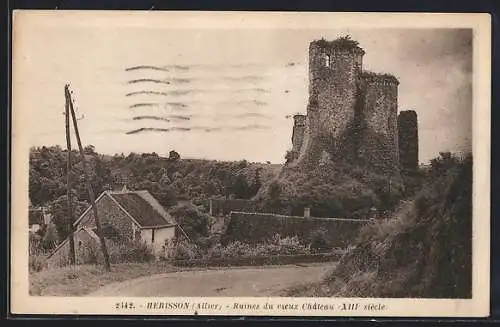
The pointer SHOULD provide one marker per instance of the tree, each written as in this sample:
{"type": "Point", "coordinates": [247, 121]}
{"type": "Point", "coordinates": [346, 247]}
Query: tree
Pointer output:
{"type": "Point", "coordinates": [195, 223]}
{"type": "Point", "coordinates": [240, 188]}
{"type": "Point", "coordinates": [173, 156]}
{"type": "Point", "coordinates": [320, 241]}
{"type": "Point", "coordinates": [89, 149]}
{"type": "Point", "coordinates": [59, 211]}
{"type": "Point", "coordinates": [272, 201]}
{"type": "Point", "coordinates": [165, 180]}
{"type": "Point", "coordinates": [274, 191]}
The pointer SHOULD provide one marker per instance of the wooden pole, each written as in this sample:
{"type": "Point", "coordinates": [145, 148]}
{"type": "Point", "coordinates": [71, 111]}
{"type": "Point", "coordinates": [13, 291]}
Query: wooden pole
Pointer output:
{"type": "Point", "coordinates": [72, 258]}
{"type": "Point", "coordinates": [89, 187]}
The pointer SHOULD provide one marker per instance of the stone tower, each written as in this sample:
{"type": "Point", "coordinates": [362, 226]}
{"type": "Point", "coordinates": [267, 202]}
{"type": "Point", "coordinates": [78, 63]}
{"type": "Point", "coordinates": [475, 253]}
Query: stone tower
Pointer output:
{"type": "Point", "coordinates": [408, 140]}
{"type": "Point", "coordinates": [334, 68]}
{"type": "Point", "coordinates": [352, 115]}
{"type": "Point", "coordinates": [378, 145]}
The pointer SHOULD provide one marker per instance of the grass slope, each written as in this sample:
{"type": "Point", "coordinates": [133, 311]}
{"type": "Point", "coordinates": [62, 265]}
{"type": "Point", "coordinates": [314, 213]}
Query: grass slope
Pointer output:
{"type": "Point", "coordinates": [423, 251]}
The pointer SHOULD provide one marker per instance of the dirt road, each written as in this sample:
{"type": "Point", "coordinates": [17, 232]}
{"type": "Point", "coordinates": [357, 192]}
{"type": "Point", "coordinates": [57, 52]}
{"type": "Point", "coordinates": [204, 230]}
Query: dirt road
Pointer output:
{"type": "Point", "coordinates": [252, 281]}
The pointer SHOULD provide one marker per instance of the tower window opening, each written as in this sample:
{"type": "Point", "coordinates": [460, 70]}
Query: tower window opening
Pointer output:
{"type": "Point", "coordinates": [326, 60]}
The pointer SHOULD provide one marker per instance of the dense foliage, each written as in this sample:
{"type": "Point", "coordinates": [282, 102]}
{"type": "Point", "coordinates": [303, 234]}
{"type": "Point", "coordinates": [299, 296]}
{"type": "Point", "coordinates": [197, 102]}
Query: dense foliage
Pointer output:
{"type": "Point", "coordinates": [331, 190]}
{"type": "Point", "coordinates": [169, 180]}
{"type": "Point", "coordinates": [195, 223]}
{"type": "Point", "coordinates": [278, 245]}
{"type": "Point", "coordinates": [343, 42]}
{"type": "Point", "coordinates": [170, 177]}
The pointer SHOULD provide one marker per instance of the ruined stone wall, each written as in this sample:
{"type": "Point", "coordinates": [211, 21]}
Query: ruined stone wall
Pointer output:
{"type": "Point", "coordinates": [378, 145]}
{"type": "Point", "coordinates": [408, 140]}
{"type": "Point", "coordinates": [333, 76]}
{"type": "Point", "coordinates": [351, 115]}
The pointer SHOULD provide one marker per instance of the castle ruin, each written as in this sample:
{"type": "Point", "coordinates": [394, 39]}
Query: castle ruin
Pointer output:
{"type": "Point", "coordinates": [352, 114]}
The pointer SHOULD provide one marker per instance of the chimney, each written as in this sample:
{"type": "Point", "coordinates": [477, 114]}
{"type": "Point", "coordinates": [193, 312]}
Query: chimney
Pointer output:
{"type": "Point", "coordinates": [307, 212]}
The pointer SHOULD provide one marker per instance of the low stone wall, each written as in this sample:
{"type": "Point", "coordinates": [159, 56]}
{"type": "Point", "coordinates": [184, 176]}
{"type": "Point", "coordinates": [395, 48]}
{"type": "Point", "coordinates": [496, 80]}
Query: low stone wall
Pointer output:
{"type": "Point", "coordinates": [256, 228]}
{"type": "Point", "coordinates": [258, 261]}
{"type": "Point", "coordinates": [223, 207]}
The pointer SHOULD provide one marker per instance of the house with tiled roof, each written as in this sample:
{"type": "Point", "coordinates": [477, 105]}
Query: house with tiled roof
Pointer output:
{"type": "Point", "coordinates": [126, 217]}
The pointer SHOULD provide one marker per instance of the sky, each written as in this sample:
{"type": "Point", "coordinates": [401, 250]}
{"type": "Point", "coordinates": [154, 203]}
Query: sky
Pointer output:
{"type": "Point", "coordinates": [224, 94]}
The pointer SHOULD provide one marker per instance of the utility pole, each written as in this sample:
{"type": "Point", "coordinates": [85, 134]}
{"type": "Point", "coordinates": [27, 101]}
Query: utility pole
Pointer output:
{"type": "Point", "coordinates": [72, 258]}
{"type": "Point", "coordinates": [88, 185]}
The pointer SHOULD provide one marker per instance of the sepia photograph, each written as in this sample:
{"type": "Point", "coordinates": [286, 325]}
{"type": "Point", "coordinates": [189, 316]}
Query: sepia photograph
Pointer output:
{"type": "Point", "coordinates": [180, 163]}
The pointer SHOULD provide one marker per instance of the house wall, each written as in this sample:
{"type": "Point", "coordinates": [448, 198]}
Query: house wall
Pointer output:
{"type": "Point", "coordinates": [84, 246]}
{"type": "Point", "coordinates": [88, 248]}
{"type": "Point", "coordinates": [161, 234]}
{"type": "Point", "coordinates": [110, 213]}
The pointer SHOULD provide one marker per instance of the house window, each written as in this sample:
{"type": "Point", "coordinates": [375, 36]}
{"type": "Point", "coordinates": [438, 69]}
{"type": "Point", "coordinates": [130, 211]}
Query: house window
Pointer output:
{"type": "Point", "coordinates": [152, 236]}
{"type": "Point", "coordinates": [326, 60]}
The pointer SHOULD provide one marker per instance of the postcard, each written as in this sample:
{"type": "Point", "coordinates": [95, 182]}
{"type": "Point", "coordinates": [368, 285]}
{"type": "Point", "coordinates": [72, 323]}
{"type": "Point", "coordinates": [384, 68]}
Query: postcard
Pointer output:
{"type": "Point", "coordinates": [250, 163]}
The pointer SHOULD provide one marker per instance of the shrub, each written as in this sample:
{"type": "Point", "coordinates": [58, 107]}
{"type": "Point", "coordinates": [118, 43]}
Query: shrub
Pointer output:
{"type": "Point", "coordinates": [89, 255]}
{"type": "Point", "coordinates": [276, 246]}
{"type": "Point", "coordinates": [37, 262]}
{"type": "Point", "coordinates": [320, 241]}
{"type": "Point", "coordinates": [206, 243]}
{"type": "Point", "coordinates": [34, 243]}
{"type": "Point", "coordinates": [37, 257]}
{"type": "Point", "coordinates": [287, 246]}
{"type": "Point", "coordinates": [184, 250]}
{"type": "Point", "coordinates": [237, 249]}
{"type": "Point", "coordinates": [195, 223]}
{"type": "Point", "coordinates": [131, 252]}
{"type": "Point", "coordinates": [216, 252]}
{"type": "Point", "coordinates": [118, 253]}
